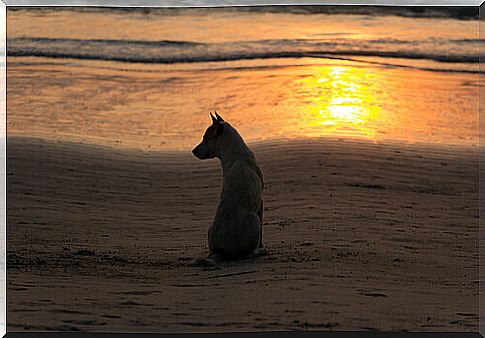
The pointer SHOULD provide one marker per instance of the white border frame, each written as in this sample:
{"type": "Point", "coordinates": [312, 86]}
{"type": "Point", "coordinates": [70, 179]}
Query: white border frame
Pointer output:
{"type": "Point", "coordinates": [153, 3]}
{"type": "Point", "coordinates": [223, 3]}
{"type": "Point", "coordinates": [3, 168]}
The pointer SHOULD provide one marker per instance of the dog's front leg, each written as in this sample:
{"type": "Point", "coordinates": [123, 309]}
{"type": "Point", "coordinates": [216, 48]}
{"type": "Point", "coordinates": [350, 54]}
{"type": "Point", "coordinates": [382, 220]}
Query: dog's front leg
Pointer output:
{"type": "Point", "coordinates": [260, 251]}
{"type": "Point", "coordinates": [260, 215]}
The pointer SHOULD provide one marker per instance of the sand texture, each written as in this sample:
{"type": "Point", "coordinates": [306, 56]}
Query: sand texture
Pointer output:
{"type": "Point", "coordinates": [361, 236]}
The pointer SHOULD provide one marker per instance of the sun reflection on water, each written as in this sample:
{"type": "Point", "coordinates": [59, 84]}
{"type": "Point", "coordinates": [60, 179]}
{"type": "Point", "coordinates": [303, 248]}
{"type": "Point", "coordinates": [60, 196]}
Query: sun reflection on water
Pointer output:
{"type": "Point", "coordinates": [343, 102]}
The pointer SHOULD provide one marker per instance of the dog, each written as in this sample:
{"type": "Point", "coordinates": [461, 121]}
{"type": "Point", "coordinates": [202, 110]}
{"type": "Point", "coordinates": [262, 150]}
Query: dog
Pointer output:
{"type": "Point", "coordinates": [236, 231]}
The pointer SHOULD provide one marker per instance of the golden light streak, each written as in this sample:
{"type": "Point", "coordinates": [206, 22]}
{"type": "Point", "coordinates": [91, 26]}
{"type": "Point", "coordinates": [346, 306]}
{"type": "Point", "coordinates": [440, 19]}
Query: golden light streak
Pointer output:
{"type": "Point", "coordinates": [343, 101]}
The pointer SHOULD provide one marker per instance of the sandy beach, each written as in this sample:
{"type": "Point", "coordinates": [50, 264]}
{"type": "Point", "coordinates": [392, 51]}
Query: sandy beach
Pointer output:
{"type": "Point", "coordinates": [361, 236]}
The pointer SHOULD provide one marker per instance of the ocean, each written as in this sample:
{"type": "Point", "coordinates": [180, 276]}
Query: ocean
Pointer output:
{"type": "Point", "coordinates": [148, 78]}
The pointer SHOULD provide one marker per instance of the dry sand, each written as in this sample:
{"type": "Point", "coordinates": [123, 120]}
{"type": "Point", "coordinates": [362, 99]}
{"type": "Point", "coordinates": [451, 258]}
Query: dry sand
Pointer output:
{"type": "Point", "coordinates": [361, 236]}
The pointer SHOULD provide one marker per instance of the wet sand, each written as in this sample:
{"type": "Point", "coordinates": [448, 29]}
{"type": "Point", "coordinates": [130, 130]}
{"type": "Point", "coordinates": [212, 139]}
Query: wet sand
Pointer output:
{"type": "Point", "coordinates": [361, 236]}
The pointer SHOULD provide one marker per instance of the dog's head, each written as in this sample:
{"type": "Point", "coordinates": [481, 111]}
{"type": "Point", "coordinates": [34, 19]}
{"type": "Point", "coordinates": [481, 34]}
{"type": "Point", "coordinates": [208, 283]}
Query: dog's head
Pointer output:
{"type": "Point", "coordinates": [209, 147]}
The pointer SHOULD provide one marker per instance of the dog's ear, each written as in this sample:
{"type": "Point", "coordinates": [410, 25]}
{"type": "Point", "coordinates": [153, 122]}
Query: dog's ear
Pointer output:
{"type": "Point", "coordinates": [217, 123]}
{"type": "Point", "coordinates": [219, 119]}
{"type": "Point", "coordinates": [219, 128]}
{"type": "Point", "coordinates": [214, 120]}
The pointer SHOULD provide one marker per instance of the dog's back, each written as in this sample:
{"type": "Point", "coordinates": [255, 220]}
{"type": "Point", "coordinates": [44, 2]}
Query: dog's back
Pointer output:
{"type": "Point", "coordinates": [236, 227]}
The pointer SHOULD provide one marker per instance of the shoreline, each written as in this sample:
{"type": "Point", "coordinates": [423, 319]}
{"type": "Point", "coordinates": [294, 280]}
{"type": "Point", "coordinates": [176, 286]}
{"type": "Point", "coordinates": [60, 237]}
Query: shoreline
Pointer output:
{"type": "Point", "coordinates": [361, 236]}
{"type": "Point", "coordinates": [461, 148]}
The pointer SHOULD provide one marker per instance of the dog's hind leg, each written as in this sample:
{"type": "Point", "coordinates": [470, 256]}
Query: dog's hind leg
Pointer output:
{"type": "Point", "coordinates": [211, 260]}
{"type": "Point", "coordinates": [259, 252]}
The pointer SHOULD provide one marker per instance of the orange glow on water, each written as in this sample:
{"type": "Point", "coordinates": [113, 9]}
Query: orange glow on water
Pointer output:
{"type": "Point", "coordinates": [343, 100]}
{"type": "Point", "coordinates": [166, 106]}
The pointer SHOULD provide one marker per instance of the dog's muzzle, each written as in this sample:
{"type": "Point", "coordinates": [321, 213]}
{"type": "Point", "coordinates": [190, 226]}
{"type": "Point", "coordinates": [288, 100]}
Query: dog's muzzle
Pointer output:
{"type": "Point", "coordinates": [201, 152]}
